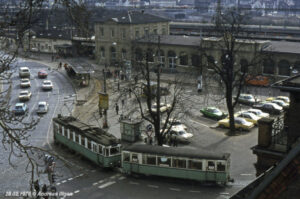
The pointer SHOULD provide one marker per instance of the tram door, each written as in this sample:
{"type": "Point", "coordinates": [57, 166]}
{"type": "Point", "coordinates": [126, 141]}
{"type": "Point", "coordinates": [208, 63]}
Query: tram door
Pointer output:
{"type": "Point", "coordinates": [95, 149]}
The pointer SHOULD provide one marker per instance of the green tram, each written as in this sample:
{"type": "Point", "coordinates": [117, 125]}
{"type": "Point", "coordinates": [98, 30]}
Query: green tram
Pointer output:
{"type": "Point", "coordinates": [177, 163]}
{"type": "Point", "coordinates": [91, 142]}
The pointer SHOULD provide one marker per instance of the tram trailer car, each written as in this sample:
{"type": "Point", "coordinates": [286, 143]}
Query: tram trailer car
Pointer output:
{"type": "Point", "coordinates": [177, 162]}
{"type": "Point", "coordinates": [91, 142]}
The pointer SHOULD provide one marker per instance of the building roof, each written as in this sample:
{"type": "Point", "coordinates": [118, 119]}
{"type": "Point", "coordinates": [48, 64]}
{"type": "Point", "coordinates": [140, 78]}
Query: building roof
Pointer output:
{"type": "Point", "coordinates": [80, 67]}
{"type": "Point", "coordinates": [132, 17]}
{"type": "Point", "coordinates": [171, 40]}
{"type": "Point", "coordinates": [283, 47]}
{"type": "Point", "coordinates": [53, 34]}
{"type": "Point", "coordinates": [289, 84]}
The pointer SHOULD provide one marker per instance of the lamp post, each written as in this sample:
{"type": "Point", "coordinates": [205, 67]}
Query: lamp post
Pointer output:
{"type": "Point", "coordinates": [105, 125]}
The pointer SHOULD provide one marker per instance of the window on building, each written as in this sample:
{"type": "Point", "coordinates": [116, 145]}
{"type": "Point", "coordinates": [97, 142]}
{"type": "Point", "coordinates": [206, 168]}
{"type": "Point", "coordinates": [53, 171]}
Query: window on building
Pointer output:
{"type": "Point", "coordinates": [102, 52]}
{"type": "Point", "coordinates": [244, 65]}
{"type": "Point", "coordinates": [164, 161]}
{"type": "Point", "coordinates": [183, 58]}
{"type": "Point", "coordinates": [101, 30]}
{"type": "Point", "coordinates": [124, 56]}
{"type": "Point", "coordinates": [179, 163]}
{"type": "Point", "coordinates": [195, 164]}
{"type": "Point", "coordinates": [137, 33]}
{"type": "Point", "coordinates": [149, 55]}
{"type": "Point", "coordinates": [112, 32]}
{"type": "Point", "coordinates": [269, 66]}
{"type": "Point", "coordinates": [163, 30]}
{"type": "Point", "coordinates": [123, 33]}
{"type": "Point", "coordinates": [284, 68]}
{"type": "Point", "coordinates": [126, 157]}
{"type": "Point", "coordinates": [146, 31]}
{"type": "Point", "coordinates": [155, 31]}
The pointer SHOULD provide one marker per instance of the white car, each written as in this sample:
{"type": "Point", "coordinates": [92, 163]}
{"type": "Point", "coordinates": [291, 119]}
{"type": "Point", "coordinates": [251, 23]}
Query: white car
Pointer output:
{"type": "Point", "coordinates": [25, 83]}
{"type": "Point", "coordinates": [47, 85]}
{"type": "Point", "coordinates": [247, 99]}
{"type": "Point", "coordinates": [24, 95]}
{"type": "Point", "coordinates": [163, 107]}
{"type": "Point", "coordinates": [258, 112]}
{"type": "Point", "coordinates": [177, 123]}
{"type": "Point", "coordinates": [42, 107]}
{"type": "Point", "coordinates": [281, 103]}
{"type": "Point", "coordinates": [180, 133]}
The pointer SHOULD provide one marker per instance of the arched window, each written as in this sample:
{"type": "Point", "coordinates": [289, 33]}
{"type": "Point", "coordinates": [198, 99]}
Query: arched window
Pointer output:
{"type": "Point", "coordinates": [183, 58]}
{"type": "Point", "coordinates": [269, 66]}
{"type": "Point", "coordinates": [284, 68]}
{"type": "Point", "coordinates": [113, 53]}
{"type": "Point", "coordinates": [149, 55]}
{"type": "Point", "coordinates": [138, 54]}
{"type": "Point", "coordinates": [172, 59]}
{"type": "Point", "coordinates": [102, 52]}
{"type": "Point", "coordinates": [196, 60]}
{"type": "Point", "coordinates": [244, 65]}
{"type": "Point", "coordinates": [161, 57]}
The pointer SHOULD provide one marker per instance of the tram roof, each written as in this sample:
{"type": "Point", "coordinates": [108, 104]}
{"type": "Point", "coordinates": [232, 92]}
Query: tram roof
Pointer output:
{"type": "Point", "coordinates": [177, 151]}
{"type": "Point", "coordinates": [96, 134]}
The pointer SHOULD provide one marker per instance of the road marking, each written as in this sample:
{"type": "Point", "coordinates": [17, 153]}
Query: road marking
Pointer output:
{"type": "Point", "coordinates": [122, 178]}
{"type": "Point", "coordinates": [200, 123]}
{"type": "Point", "coordinates": [192, 191]}
{"type": "Point", "coordinates": [246, 174]}
{"type": "Point", "coordinates": [135, 183]}
{"type": "Point", "coordinates": [58, 183]}
{"type": "Point", "coordinates": [175, 189]}
{"type": "Point", "coordinates": [224, 193]}
{"type": "Point", "coordinates": [152, 186]}
{"type": "Point", "coordinates": [114, 176]}
{"type": "Point", "coordinates": [63, 181]}
{"type": "Point", "coordinates": [70, 179]}
{"type": "Point", "coordinates": [77, 191]}
{"type": "Point", "coordinates": [100, 181]}
{"type": "Point", "coordinates": [80, 175]}
{"type": "Point", "coordinates": [106, 184]}
{"type": "Point", "coordinates": [94, 184]}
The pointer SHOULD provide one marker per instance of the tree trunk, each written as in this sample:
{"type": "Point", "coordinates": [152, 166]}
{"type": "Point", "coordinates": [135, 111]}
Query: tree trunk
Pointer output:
{"type": "Point", "coordinates": [230, 109]}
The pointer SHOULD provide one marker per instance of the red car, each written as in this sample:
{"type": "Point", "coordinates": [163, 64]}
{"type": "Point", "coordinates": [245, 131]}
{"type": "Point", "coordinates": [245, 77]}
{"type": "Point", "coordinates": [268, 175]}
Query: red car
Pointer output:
{"type": "Point", "coordinates": [42, 74]}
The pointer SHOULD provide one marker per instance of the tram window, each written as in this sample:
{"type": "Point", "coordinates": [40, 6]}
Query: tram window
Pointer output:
{"type": "Point", "coordinates": [221, 166]}
{"type": "Point", "coordinates": [82, 141]}
{"type": "Point", "coordinates": [68, 133]}
{"type": "Point", "coordinates": [164, 161]}
{"type": "Point", "coordinates": [72, 136]}
{"type": "Point", "coordinates": [63, 131]}
{"type": "Point", "coordinates": [100, 149]}
{"type": "Point", "coordinates": [179, 163]}
{"type": "Point", "coordinates": [95, 148]}
{"type": "Point", "coordinates": [76, 138]}
{"type": "Point", "coordinates": [107, 152]}
{"type": "Point", "coordinates": [151, 160]}
{"type": "Point", "coordinates": [126, 157]}
{"type": "Point", "coordinates": [89, 145]}
{"type": "Point", "coordinates": [59, 129]}
{"type": "Point", "coordinates": [55, 126]}
{"type": "Point", "coordinates": [193, 164]}
{"type": "Point", "coordinates": [211, 165]}
{"type": "Point", "coordinates": [134, 158]}
{"type": "Point", "coordinates": [114, 150]}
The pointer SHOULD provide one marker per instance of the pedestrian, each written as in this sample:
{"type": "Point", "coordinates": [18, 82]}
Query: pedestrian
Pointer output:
{"type": "Point", "coordinates": [129, 92]}
{"type": "Point", "coordinates": [52, 58]}
{"type": "Point", "coordinates": [150, 141]}
{"type": "Point", "coordinates": [117, 108]}
{"type": "Point", "coordinates": [123, 103]}
{"type": "Point", "coordinates": [199, 86]}
{"type": "Point", "coordinates": [175, 141]}
{"type": "Point", "coordinates": [118, 85]}
{"type": "Point", "coordinates": [59, 65]}
{"type": "Point", "coordinates": [136, 79]}
{"type": "Point", "coordinates": [36, 187]}
{"type": "Point", "coordinates": [44, 190]}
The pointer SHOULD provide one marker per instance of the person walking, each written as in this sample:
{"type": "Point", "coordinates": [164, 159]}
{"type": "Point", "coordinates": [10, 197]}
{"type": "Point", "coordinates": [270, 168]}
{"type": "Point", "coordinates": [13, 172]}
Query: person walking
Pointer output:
{"type": "Point", "coordinates": [36, 187]}
{"type": "Point", "coordinates": [118, 85]}
{"type": "Point", "coordinates": [123, 103]}
{"type": "Point", "coordinates": [175, 141]}
{"type": "Point", "coordinates": [117, 108]}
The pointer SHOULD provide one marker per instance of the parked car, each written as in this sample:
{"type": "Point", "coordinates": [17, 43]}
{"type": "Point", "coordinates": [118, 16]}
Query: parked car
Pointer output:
{"type": "Point", "coordinates": [247, 99]}
{"type": "Point", "coordinates": [281, 103]}
{"type": "Point", "coordinates": [20, 108]}
{"type": "Point", "coordinates": [250, 117]}
{"type": "Point", "coordinates": [25, 83]}
{"type": "Point", "coordinates": [42, 107]}
{"type": "Point", "coordinates": [258, 112]}
{"type": "Point", "coordinates": [180, 133]}
{"type": "Point", "coordinates": [213, 112]}
{"type": "Point", "coordinates": [239, 123]}
{"type": "Point", "coordinates": [42, 74]}
{"type": "Point", "coordinates": [283, 98]}
{"type": "Point", "coordinates": [177, 123]}
{"type": "Point", "coordinates": [24, 72]}
{"type": "Point", "coordinates": [24, 95]}
{"type": "Point", "coordinates": [269, 107]}
{"type": "Point", "coordinates": [47, 85]}
{"type": "Point", "coordinates": [163, 107]}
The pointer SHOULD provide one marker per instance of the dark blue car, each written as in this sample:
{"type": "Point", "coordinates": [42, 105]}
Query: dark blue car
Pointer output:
{"type": "Point", "coordinates": [20, 109]}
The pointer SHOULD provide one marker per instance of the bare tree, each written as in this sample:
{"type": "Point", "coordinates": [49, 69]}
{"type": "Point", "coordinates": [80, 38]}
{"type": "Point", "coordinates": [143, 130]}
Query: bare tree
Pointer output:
{"type": "Point", "coordinates": [228, 68]}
